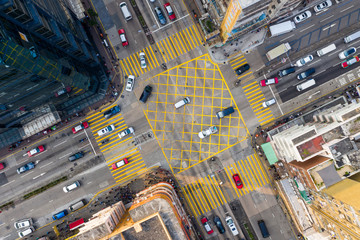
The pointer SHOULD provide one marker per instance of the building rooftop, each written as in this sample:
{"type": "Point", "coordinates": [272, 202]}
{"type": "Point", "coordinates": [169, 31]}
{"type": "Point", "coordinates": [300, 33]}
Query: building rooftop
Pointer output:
{"type": "Point", "coordinates": [310, 147]}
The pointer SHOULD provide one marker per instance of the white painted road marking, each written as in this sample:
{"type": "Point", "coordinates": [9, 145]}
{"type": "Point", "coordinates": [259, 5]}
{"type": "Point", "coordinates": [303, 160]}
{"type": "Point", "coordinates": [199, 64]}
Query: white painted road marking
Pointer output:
{"type": "Point", "coordinates": [8, 183]}
{"type": "Point", "coordinates": [326, 18]}
{"type": "Point", "coordinates": [46, 165]}
{"type": "Point", "coordinates": [65, 155]}
{"type": "Point", "coordinates": [307, 28]}
{"type": "Point", "coordinates": [39, 175]}
{"type": "Point", "coordinates": [60, 143]}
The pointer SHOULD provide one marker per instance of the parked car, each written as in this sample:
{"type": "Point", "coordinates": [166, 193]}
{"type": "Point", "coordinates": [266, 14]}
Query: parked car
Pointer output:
{"type": "Point", "coordinates": [206, 224]}
{"type": "Point", "coordinates": [119, 163]}
{"type": "Point", "coordinates": [269, 102]}
{"type": "Point", "coordinates": [287, 71]}
{"type": "Point", "coordinates": [347, 53]}
{"type": "Point", "coordinates": [59, 215]}
{"type": "Point", "coordinates": [26, 167]}
{"type": "Point", "coordinates": [26, 232]}
{"type": "Point", "coordinates": [36, 150]}
{"type": "Point", "coordinates": [219, 224]}
{"type": "Point", "coordinates": [160, 15]}
{"type": "Point", "coordinates": [231, 225]}
{"type": "Point", "coordinates": [269, 81]}
{"type": "Point", "coordinates": [80, 127]}
{"type": "Point", "coordinates": [302, 17]}
{"type": "Point", "coordinates": [305, 74]}
{"type": "Point", "coordinates": [76, 156]}
{"type": "Point", "coordinates": [126, 132]}
{"type": "Point", "coordinates": [142, 60]}
{"type": "Point", "coordinates": [24, 223]}
{"type": "Point", "coordinates": [242, 69]}
{"type": "Point", "coordinates": [106, 130]}
{"type": "Point", "coordinates": [207, 132]}
{"type": "Point", "coordinates": [112, 111]}
{"type": "Point", "coordinates": [350, 62]}
{"type": "Point", "coordinates": [123, 38]}
{"type": "Point", "coordinates": [238, 181]}
{"type": "Point", "coordinates": [145, 94]}
{"type": "Point", "coordinates": [130, 83]}
{"type": "Point", "coordinates": [169, 11]}
{"type": "Point", "coordinates": [322, 6]}
{"type": "Point", "coordinates": [304, 60]}
{"type": "Point", "coordinates": [63, 91]}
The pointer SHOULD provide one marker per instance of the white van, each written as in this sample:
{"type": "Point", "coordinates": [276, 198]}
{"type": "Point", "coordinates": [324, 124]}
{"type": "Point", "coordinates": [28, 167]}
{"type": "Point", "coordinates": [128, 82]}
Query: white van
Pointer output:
{"type": "Point", "coordinates": [305, 85]}
{"type": "Point", "coordinates": [125, 11]}
{"type": "Point", "coordinates": [182, 102]}
{"type": "Point", "coordinates": [71, 187]}
{"type": "Point", "coordinates": [282, 28]}
{"type": "Point", "coordinates": [77, 205]}
{"type": "Point", "coordinates": [326, 50]}
{"type": "Point", "coordinates": [26, 232]}
{"type": "Point", "coordinates": [105, 43]}
{"type": "Point", "coordinates": [352, 37]}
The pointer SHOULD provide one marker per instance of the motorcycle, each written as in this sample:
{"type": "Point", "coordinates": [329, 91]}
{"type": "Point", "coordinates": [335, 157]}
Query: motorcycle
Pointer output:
{"type": "Point", "coordinates": [82, 140]}
{"type": "Point", "coordinates": [104, 141]}
{"type": "Point", "coordinates": [163, 66]}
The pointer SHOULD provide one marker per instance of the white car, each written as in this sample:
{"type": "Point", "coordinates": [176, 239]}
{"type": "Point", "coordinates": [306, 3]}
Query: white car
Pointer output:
{"type": "Point", "coordinates": [106, 130]}
{"type": "Point", "coordinates": [130, 83]}
{"type": "Point", "coordinates": [231, 225]}
{"type": "Point", "coordinates": [304, 60]}
{"type": "Point", "coordinates": [24, 223]}
{"type": "Point", "coordinates": [347, 53]}
{"type": "Point", "coordinates": [142, 60]}
{"type": "Point", "coordinates": [302, 17]}
{"type": "Point", "coordinates": [322, 6]}
{"type": "Point", "coordinates": [126, 132]}
{"type": "Point", "coordinates": [269, 102]}
{"type": "Point", "coordinates": [207, 132]}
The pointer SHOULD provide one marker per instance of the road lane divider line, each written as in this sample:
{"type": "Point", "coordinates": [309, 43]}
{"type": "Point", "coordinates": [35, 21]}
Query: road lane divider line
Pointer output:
{"type": "Point", "coordinates": [307, 28]}
{"type": "Point", "coordinates": [65, 155]}
{"type": "Point", "coordinates": [7, 183]}
{"type": "Point", "coordinates": [46, 165]}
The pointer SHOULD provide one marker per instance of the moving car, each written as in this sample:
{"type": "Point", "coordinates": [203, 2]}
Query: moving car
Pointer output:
{"type": "Point", "coordinates": [305, 74]}
{"type": "Point", "coordinates": [146, 94]}
{"type": "Point", "coordinates": [237, 181]}
{"type": "Point", "coordinates": [63, 91]}
{"type": "Point", "coordinates": [76, 156]}
{"type": "Point", "coordinates": [126, 132]}
{"type": "Point", "coordinates": [80, 127]}
{"type": "Point", "coordinates": [36, 150]}
{"type": "Point", "coordinates": [231, 225]}
{"type": "Point", "coordinates": [26, 232]}
{"type": "Point", "coordinates": [225, 112]}
{"type": "Point", "coordinates": [123, 38]}
{"type": "Point", "coordinates": [322, 6]}
{"type": "Point", "coordinates": [206, 224]}
{"type": "Point", "coordinates": [71, 187]}
{"type": "Point", "coordinates": [160, 15]}
{"type": "Point", "coordinates": [142, 60]}
{"type": "Point", "coordinates": [242, 69]}
{"type": "Point", "coordinates": [304, 60]}
{"type": "Point", "coordinates": [130, 83]}
{"type": "Point", "coordinates": [269, 102]}
{"type": "Point", "coordinates": [269, 81]}
{"type": "Point", "coordinates": [286, 71]}
{"type": "Point", "coordinates": [59, 215]}
{"type": "Point", "coordinates": [112, 111]}
{"type": "Point", "coordinates": [347, 53]}
{"type": "Point", "coordinates": [182, 102]}
{"type": "Point", "coordinates": [350, 62]}
{"type": "Point", "coordinates": [219, 225]}
{"type": "Point", "coordinates": [26, 167]}
{"type": "Point", "coordinates": [207, 132]}
{"type": "Point", "coordinates": [106, 130]}
{"type": "Point", "coordinates": [119, 163]}
{"type": "Point", "coordinates": [2, 166]}
{"type": "Point", "coordinates": [24, 223]}
{"type": "Point", "coordinates": [170, 12]}
{"type": "Point", "coordinates": [302, 17]}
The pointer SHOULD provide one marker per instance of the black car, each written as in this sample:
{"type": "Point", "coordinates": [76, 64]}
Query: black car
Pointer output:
{"type": "Point", "coordinates": [286, 71]}
{"type": "Point", "coordinates": [146, 94]}
{"type": "Point", "coordinates": [219, 225]}
{"type": "Point", "coordinates": [305, 74]}
{"type": "Point", "coordinates": [112, 111]}
{"type": "Point", "coordinates": [76, 156]}
{"type": "Point", "coordinates": [242, 69]}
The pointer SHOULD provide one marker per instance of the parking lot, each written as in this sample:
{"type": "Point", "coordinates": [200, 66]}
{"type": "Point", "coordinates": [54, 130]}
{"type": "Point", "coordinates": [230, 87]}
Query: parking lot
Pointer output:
{"type": "Point", "coordinates": [177, 129]}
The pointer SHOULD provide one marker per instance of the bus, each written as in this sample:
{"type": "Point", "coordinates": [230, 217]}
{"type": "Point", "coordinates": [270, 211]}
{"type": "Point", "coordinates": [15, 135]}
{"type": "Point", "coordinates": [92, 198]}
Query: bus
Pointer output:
{"type": "Point", "coordinates": [279, 50]}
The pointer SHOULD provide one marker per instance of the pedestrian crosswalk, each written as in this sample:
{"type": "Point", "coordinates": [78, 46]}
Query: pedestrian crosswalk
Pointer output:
{"type": "Point", "coordinates": [256, 98]}
{"type": "Point", "coordinates": [217, 189]}
{"type": "Point", "coordinates": [163, 51]}
{"type": "Point", "coordinates": [238, 62]}
{"type": "Point", "coordinates": [116, 149]}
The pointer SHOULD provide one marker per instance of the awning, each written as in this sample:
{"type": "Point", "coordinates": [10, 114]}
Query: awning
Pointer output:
{"type": "Point", "coordinates": [269, 153]}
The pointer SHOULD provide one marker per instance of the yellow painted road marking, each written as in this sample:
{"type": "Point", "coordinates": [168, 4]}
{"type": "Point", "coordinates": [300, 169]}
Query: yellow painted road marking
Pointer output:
{"type": "Point", "coordinates": [232, 182]}
{"type": "Point", "coordinates": [197, 210]}
{"type": "Point", "coordinates": [212, 203]}
{"type": "Point", "coordinates": [153, 54]}
{"type": "Point", "coordinates": [171, 46]}
{"type": "Point", "coordinates": [247, 86]}
{"type": "Point", "coordinates": [248, 175]}
{"type": "Point", "coordinates": [186, 45]}
{"type": "Point", "coordinates": [188, 200]}
{"type": "Point", "coordinates": [188, 35]}
{"type": "Point", "coordinates": [177, 44]}
{"type": "Point", "coordinates": [197, 43]}
{"type": "Point", "coordinates": [212, 191]}
{"type": "Point", "coordinates": [245, 184]}
{"type": "Point", "coordinates": [254, 169]}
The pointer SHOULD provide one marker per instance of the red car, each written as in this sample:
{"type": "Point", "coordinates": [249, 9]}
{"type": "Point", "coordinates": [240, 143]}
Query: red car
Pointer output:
{"type": "Point", "coordinates": [63, 91]}
{"type": "Point", "coordinates": [350, 61]}
{"type": "Point", "coordinates": [237, 181]}
{"type": "Point", "coordinates": [123, 38]}
{"type": "Point", "coordinates": [169, 11]}
{"type": "Point", "coordinates": [80, 127]}
{"type": "Point", "coordinates": [269, 81]}
{"type": "Point", "coordinates": [2, 166]}
{"type": "Point", "coordinates": [35, 151]}
{"type": "Point", "coordinates": [206, 224]}
{"type": "Point", "coordinates": [120, 164]}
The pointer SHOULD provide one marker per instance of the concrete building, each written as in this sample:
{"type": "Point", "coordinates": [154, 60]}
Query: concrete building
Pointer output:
{"type": "Point", "coordinates": [46, 58]}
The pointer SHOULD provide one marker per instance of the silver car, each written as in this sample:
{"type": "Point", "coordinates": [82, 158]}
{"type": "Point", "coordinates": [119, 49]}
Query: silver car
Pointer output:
{"type": "Point", "coordinates": [304, 60]}
{"type": "Point", "coordinates": [130, 83]}
{"type": "Point", "coordinates": [302, 17]}
{"type": "Point", "coordinates": [207, 132]}
{"type": "Point", "coordinates": [269, 102]}
{"type": "Point", "coordinates": [142, 60]}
